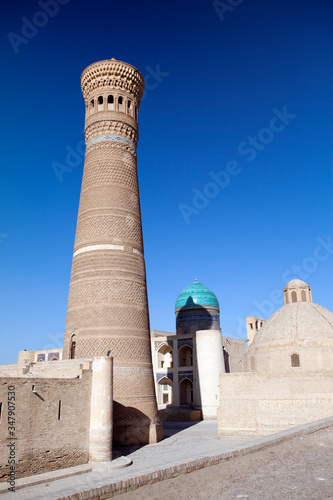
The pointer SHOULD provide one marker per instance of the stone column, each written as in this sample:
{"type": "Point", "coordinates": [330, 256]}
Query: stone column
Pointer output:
{"type": "Point", "coordinates": [210, 363]}
{"type": "Point", "coordinates": [100, 438]}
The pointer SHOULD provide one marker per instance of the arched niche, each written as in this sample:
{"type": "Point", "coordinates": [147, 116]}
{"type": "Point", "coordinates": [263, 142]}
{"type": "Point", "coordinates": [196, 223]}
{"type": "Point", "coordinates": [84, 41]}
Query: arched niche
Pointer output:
{"type": "Point", "coordinates": [185, 356]}
{"type": "Point", "coordinates": [164, 356]}
{"type": "Point", "coordinates": [186, 392]}
{"type": "Point", "coordinates": [164, 391]}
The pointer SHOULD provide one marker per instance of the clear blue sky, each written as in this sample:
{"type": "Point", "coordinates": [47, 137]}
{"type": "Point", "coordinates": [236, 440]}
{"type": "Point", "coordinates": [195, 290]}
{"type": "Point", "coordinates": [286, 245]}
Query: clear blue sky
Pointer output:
{"type": "Point", "coordinates": [244, 95]}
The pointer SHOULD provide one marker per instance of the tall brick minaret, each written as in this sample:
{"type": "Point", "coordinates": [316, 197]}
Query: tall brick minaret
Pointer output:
{"type": "Point", "coordinates": [107, 306]}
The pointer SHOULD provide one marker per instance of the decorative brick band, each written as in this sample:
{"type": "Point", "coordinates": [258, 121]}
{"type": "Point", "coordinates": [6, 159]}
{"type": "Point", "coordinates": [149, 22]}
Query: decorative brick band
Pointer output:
{"type": "Point", "coordinates": [135, 250]}
{"type": "Point", "coordinates": [90, 248]}
{"type": "Point", "coordinates": [115, 138]}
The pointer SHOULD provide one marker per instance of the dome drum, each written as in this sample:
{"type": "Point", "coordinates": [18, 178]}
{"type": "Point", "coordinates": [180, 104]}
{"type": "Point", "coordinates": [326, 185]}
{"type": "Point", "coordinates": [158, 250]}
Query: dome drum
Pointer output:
{"type": "Point", "coordinates": [297, 291]}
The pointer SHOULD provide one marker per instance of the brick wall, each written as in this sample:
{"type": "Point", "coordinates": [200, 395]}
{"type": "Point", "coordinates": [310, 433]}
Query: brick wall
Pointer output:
{"type": "Point", "coordinates": [264, 403]}
{"type": "Point", "coordinates": [46, 438]}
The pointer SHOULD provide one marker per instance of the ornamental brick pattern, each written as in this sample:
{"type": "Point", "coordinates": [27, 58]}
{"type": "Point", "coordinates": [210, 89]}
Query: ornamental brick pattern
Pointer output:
{"type": "Point", "coordinates": [107, 305]}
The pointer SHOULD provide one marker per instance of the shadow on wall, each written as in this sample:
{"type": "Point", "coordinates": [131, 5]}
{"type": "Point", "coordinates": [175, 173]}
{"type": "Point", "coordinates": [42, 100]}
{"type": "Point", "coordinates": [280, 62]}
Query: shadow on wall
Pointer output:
{"type": "Point", "coordinates": [191, 318]}
{"type": "Point", "coordinates": [136, 430]}
{"type": "Point", "coordinates": [226, 361]}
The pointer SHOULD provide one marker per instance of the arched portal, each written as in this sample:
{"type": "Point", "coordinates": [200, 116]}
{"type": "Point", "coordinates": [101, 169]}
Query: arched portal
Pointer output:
{"type": "Point", "coordinates": [164, 357]}
{"type": "Point", "coordinates": [185, 392]}
{"type": "Point", "coordinates": [185, 356]}
{"type": "Point", "coordinates": [164, 391]}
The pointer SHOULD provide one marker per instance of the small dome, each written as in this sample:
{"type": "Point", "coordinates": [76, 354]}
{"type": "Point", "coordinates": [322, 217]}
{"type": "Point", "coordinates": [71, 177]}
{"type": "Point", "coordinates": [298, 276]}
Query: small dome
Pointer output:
{"type": "Point", "coordinates": [296, 284]}
{"type": "Point", "coordinates": [194, 295]}
{"type": "Point", "coordinates": [301, 329]}
{"type": "Point", "coordinates": [297, 291]}
{"type": "Point", "coordinates": [302, 323]}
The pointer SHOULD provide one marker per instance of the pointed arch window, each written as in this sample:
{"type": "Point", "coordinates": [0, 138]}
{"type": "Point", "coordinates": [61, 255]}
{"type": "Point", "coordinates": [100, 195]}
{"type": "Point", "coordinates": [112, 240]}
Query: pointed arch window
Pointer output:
{"type": "Point", "coordinates": [72, 347]}
{"type": "Point", "coordinates": [294, 359]}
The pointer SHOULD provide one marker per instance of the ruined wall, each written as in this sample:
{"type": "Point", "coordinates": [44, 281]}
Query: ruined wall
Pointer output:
{"type": "Point", "coordinates": [51, 422]}
{"type": "Point", "coordinates": [235, 355]}
{"type": "Point", "coordinates": [261, 403]}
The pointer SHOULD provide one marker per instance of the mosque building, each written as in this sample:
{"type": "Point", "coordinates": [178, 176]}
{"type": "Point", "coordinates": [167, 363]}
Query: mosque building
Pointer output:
{"type": "Point", "coordinates": [187, 363]}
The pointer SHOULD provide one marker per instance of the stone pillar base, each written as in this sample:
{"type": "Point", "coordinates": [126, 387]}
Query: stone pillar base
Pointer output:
{"type": "Point", "coordinates": [155, 433]}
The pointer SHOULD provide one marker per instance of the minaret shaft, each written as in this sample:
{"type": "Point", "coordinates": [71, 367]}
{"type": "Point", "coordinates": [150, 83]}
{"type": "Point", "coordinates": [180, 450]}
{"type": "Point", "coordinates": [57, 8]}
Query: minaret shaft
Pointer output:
{"type": "Point", "coordinates": [107, 305]}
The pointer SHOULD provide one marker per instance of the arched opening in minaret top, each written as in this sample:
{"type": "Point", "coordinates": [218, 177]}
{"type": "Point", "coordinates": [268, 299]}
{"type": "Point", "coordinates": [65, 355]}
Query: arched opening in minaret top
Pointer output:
{"type": "Point", "coordinates": [129, 108]}
{"type": "Point", "coordinates": [121, 104]}
{"type": "Point", "coordinates": [100, 103]}
{"type": "Point", "coordinates": [110, 102]}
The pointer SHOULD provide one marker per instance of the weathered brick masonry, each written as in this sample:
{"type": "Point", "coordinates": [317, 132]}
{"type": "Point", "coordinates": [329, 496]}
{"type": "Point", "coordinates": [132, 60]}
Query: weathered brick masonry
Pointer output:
{"type": "Point", "coordinates": [107, 304]}
{"type": "Point", "coordinates": [51, 423]}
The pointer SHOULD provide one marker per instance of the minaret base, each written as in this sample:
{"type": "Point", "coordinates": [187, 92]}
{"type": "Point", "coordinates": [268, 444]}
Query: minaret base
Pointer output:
{"type": "Point", "coordinates": [136, 434]}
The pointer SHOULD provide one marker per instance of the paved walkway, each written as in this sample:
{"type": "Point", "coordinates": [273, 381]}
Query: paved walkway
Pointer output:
{"type": "Point", "coordinates": [300, 468]}
{"type": "Point", "coordinates": [186, 446]}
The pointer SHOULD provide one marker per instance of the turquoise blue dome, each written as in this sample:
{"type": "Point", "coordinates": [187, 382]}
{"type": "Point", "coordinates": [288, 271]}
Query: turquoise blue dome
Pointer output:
{"type": "Point", "coordinates": [196, 294]}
